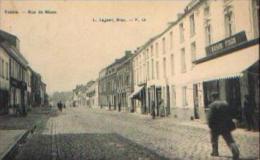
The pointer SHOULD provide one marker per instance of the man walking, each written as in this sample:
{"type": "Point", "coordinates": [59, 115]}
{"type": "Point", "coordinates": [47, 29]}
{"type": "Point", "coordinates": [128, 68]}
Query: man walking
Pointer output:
{"type": "Point", "coordinates": [220, 123]}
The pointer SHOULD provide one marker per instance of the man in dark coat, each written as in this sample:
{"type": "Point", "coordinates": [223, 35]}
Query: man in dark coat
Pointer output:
{"type": "Point", "coordinates": [220, 123]}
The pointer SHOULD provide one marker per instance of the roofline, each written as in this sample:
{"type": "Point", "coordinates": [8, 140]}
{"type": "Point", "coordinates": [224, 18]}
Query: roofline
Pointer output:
{"type": "Point", "coordinates": [171, 25]}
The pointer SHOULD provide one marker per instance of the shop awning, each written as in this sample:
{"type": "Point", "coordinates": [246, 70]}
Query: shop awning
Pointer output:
{"type": "Point", "coordinates": [228, 66]}
{"type": "Point", "coordinates": [135, 94]}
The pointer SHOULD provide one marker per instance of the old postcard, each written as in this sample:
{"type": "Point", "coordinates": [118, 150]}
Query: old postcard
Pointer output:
{"type": "Point", "coordinates": [129, 79]}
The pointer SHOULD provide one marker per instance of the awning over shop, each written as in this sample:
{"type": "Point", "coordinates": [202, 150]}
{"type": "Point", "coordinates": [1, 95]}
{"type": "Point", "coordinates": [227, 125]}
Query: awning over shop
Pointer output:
{"type": "Point", "coordinates": [225, 67]}
{"type": "Point", "coordinates": [136, 93]}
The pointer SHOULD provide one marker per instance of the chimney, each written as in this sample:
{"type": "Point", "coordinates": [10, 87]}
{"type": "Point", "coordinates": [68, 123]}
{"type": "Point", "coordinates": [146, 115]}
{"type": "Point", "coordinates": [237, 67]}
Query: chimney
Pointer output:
{"type": "Point", "coordinates": [179, 15]}
{"type": "Point", "coordinates": [127, 53]}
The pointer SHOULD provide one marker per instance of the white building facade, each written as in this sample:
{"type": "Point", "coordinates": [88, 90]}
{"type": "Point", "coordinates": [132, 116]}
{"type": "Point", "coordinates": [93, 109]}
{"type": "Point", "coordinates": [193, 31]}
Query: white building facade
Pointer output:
{"type": "Point", "coordinates": [170, 66]}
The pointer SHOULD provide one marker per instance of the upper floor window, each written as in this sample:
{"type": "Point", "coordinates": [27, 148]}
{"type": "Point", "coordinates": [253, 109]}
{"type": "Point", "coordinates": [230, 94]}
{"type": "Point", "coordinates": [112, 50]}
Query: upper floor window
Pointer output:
{"type": "Point", "coordinates": [183, 61]}
{"type": "Point", "coordinates": [193, 51]}
{"type": "Point", "coordinates": [208, 36]}
{"type": "Point", "coordinates": [163, 45]}
{"type": "Point", "coordinates": [152, 63]}
{"type": "Point", "coordinates": [171, 40]}
{"type": "Point", "coordinates": [206, 11]}
{"type": "Point", "coordinates": [192, 25]}
{"type": "Point", "coordinates": [148, 70]}
{"type": "Point", "coordinates": [181, 30]}
{"type": "Point", "coordinates": [147, 52]}
{"type": "Point", "coordinates": [151, 50]}
{"type": "Point", "coordinates": [157, 70]}
{"type": "Point", "coordinates": [2, 68]}
{"type": "Point", "coordinates": [256, 17]}
{"type": "Point", "coordinates": [172, 64]}
{"type": "Point", "coordinates": [156, 49]}
{"type": "Point", "coordinates": [164, 67]}
{"type": "Point", "coordinates": [7, 70]}
{"type": "Point", "coordinates": [229, 22]}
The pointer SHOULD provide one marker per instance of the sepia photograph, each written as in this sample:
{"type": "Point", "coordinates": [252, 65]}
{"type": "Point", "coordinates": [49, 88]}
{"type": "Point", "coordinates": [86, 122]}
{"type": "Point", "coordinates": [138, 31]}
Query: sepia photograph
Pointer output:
{"type": "Point", "coordinates": [129, 80]}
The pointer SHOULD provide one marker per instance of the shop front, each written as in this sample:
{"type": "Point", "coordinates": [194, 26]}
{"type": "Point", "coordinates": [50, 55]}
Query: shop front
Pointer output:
{"type": "Point", "coordinates": [233, 73]}
{"type": "Point", "coordinates": [4, 99]}
{"type": "Point", "coordinates": [18, 96]}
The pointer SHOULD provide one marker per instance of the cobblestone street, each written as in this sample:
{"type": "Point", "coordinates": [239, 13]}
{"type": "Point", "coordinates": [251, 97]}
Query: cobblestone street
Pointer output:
{"type": "Point", "coordinates": [84, 133]}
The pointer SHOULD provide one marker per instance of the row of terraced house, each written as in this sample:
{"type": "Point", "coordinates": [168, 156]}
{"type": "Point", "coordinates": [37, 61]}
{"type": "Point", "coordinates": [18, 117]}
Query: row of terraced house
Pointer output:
{"type": "Point", "coordinates": [20, 86]}
{"type": "Point", "coordinates": [213, 46]}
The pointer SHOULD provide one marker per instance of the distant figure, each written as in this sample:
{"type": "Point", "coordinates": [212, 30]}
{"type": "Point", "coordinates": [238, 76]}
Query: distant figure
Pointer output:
{"type": "Point", "coordinates": [220, 123]}
{"type": "Point", "coordinates": [60, 106]}
{"type": "Point", "coordinates": [109, 106]}
{"type": "Point", "coordinates": [153, 110]}
{"type": "Point", "coordinates": [157, 110]}
{"type": "Point", "coordinates": [162, 108]}
{"type": "Point", "coordinates": [119, 106]}
{"type": "Point", "coordinates": [249, 111]}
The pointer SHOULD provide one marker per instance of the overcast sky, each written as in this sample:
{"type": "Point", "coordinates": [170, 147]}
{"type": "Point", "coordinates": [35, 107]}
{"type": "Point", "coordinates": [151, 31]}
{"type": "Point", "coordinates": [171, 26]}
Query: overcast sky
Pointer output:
{"type": "Point", "coordinates": [69, 48]}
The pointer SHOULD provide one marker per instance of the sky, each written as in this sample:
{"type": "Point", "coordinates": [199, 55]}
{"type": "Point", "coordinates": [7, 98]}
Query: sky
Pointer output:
{"type": "Point", "coordinates": [73, 43]}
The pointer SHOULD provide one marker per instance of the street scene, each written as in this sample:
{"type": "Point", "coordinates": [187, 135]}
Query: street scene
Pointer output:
{"type": "Point", "coordinates": [129, 80]}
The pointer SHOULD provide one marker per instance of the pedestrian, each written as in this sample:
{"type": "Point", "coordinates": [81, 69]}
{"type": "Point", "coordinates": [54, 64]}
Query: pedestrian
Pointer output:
{"type": "Point", "coordinates": [109, 106]}
{"type": "Point", "coordinates": [249, 111]}
{"type": "Point", "coordinates": [153, 110]}
{"type": "Point", "coordinates": [220, 123]}
{"type": "Point", "coordinates": [60, 106]}
{"type": "Point", "coordinates": [162, 108]}
{"type": "Point", "coordinates": [119, 106]}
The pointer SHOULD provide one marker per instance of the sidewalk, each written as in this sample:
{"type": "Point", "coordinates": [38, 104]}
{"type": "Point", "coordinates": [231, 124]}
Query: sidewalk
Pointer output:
{"type": "Point", "coordinates": [14, 130]}
{"type": "Point", "coordinates": [9, 139]}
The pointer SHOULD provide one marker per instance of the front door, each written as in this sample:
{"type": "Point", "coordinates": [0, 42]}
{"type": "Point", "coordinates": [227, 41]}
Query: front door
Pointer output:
{"type": "Point", "coordinates": [158, 99]}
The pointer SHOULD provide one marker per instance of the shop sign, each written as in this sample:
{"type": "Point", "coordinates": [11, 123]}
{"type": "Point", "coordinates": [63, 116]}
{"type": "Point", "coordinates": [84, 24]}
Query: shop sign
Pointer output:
{"type": "Point", "coordinates": [226, 43]}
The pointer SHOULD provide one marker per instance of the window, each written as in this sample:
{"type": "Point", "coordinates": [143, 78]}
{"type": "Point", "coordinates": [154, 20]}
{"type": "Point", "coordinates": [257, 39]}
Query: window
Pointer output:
{"type": "Point", "coordinates": [147, 52]}
{"type": "Point", "coordinates": [1, 69]}
{"type": "Point", "coordinates": [206, 11]}
{"type": "Point", "coordinates": [183, 63]}
{"type": "Point", "coordinates": [192, 25]}
{"type": "Point", "coordinates": [156, 49]}
{"type": "Point", "coordinates": [164, 67]}
{"type": "Point", "coordinates": [148, 71]}
{"type": "Point", "coordinates": [184, 96]}
{"type": "Point", "coordinates": [172, 64]}
{"type": "Point", "coordinates": [181, 30]}
{"type": "Point", "coordinates": [157, 70]}
{"type": "Point", "coordinates": [256, 17]}
{"type": "Point", "coordinates": [193, 51]}
{"type": "Point", "coordinates": [7, 70]}
{"type": "Point", "coordinates": [152, 63]}
{"type": "Point", "coordinates": [229, 22]}
{"type": "Point", "coordinates": [171, 40]}
{"type": "Point", "coordinates": [173, 96]}
{"type": "Point", "coordinates": [151, 50]}
{"type": "Point", "coordinates": [163, 45]}
{"type": "Point", "coordinates": [144, 75]}
{"type": "Point", "coordinates": [208, 33]}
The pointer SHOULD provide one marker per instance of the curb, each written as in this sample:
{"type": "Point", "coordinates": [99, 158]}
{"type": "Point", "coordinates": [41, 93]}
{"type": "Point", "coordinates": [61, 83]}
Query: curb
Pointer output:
{"type": "Point", "coordinates": [13, 149]}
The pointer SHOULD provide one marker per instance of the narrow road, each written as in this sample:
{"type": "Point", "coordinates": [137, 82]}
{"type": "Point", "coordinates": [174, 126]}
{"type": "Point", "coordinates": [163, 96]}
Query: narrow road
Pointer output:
{"type": "Point", "coordinates": [84, 133]}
